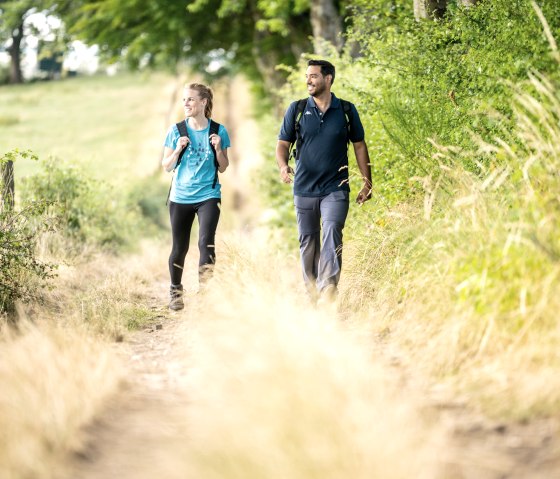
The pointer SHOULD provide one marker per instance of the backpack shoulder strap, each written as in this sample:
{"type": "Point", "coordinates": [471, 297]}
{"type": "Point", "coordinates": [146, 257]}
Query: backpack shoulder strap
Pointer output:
{"type": "Point", "coordinates": [347, 108]}
{"type": "Point", "coordinates": [214, 129]}
{"type": "Point", "coordinates": [300, 108]}
{"type": "Point", "coordinates": [182, 127]}
{"type": "Point", "coordinates": [301, 104]}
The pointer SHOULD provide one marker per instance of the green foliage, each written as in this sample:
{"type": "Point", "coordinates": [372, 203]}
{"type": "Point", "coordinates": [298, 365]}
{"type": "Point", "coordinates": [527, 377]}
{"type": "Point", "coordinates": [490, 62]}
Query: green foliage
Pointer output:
{"type": "Point", "coordinates": [17, 154]}
{"type": "Point", "coordinates": [482, 246]}
{"type": "Point", "coordinates": [21, 272]}
{"type": "Point", "coordinates": [229, 34]}
{"type": "Point", "coordinates": [438, 80]}
{"type": "Point", "coordinates": [4, 75]}
{"type": "Point", "coordinates": [87, 211]}
{"type": "Point", "coordinates": [149, 194]}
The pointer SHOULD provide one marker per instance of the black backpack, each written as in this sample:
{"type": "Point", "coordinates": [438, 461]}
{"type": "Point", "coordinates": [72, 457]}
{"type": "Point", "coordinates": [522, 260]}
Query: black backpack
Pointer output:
{"type": "Point", "coordinates": [301, 104]}
{"type": "Point", "coordinates": [182, 127]}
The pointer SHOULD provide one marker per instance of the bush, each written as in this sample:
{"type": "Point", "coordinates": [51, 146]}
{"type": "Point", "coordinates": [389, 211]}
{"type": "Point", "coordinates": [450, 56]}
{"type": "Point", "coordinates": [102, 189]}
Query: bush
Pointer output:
{"type": "Point", "coordinates": [439, 79]}
{"type": "Point", "coordinates": [87, 211]}
{"type": "Point", "coordinates": [21, 272]}
{"type": "Point", "coordinates": [19, 265]}
{"type": "Point", "coordinates": [149, 195]}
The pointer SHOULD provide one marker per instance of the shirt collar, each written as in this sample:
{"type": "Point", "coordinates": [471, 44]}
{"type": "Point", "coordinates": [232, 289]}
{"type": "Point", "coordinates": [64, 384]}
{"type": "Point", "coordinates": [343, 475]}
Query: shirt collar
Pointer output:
{"type": "Point", "coordinates": [335, 102]}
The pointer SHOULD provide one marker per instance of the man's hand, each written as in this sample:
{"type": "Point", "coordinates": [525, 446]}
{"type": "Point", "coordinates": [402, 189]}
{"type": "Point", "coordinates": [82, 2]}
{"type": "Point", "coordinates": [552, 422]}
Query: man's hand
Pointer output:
{"type": "Point", "coordinates": [286, 173]}
{"type": "Point", "coordinates": [363, 195]}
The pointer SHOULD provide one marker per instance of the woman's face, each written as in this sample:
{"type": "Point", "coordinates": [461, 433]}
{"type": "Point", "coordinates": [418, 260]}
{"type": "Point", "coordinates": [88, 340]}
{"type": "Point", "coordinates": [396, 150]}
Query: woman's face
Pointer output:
{"type": "Point", "coordinates": [193, 104]}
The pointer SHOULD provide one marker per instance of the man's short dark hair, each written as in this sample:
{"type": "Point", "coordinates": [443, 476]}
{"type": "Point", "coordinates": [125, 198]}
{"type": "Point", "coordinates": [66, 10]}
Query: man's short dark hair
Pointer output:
{"type": "Point", "coordinates": [327, 68]}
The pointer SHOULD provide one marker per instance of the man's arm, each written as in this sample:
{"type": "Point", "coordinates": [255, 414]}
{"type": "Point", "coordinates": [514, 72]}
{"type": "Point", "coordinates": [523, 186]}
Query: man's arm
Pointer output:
{"type": "Point", "coordinates": [362, 158]}
{"type": "Point", "coordinates": [282, 158]}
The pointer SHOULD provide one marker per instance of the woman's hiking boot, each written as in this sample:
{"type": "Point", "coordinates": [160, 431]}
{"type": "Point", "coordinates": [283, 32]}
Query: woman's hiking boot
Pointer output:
{"type": "Point", "coordinates": [176, 298]}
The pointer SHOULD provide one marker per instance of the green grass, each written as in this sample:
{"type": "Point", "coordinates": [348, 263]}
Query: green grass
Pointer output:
{"type": "Point", "coordinates": [88, 120]}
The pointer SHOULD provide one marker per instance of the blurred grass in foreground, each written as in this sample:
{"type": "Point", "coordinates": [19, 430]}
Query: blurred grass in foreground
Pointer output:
{"type": "Point", "coordinates": [283, 390]}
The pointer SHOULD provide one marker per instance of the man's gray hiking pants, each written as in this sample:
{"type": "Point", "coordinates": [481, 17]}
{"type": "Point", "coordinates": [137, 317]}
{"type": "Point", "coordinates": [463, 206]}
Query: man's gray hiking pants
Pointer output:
{"type": "Point", "coordinates": [321, 264]}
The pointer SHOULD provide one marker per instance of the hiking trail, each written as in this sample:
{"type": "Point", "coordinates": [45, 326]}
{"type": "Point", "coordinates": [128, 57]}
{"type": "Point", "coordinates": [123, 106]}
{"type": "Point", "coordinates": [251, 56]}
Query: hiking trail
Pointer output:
{"type": "Point", "coordinates": [239, 385]}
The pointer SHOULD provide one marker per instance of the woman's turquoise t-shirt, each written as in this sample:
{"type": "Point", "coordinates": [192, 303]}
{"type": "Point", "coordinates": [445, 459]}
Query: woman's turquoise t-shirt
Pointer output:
{"type": "Point", "coordinates": [193, 179]}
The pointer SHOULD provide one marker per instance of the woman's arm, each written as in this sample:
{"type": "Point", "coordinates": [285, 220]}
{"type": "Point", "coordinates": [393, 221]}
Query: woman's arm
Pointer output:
{"type": "Point", "coordinates": [221, 154]}
{"type": "Point", "coordinates": [170, 156]}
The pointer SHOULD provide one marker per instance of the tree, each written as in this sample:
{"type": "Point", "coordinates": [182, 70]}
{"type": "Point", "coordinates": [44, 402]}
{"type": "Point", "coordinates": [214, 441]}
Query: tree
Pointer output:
{"type": "Point", "coordinates": [13, 28]}
{"type": "Point", "coordinates": [326, 23]}
{"type": "Point", "coordinates": [11, 31]}
{"type": "Point", "coordinates": [242, 34]}
{"type": "Point", "coordinates": [433, 9]}
{"type": "Point", "coordinates": [429, 9]}
{"type": "Point", "coordinates": [250, 35]}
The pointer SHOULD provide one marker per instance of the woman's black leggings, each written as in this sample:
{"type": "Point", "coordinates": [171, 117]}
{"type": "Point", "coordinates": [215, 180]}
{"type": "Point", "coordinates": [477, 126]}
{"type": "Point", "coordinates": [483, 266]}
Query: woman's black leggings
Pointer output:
{"type": "Point", "coordinates": [182, 218]}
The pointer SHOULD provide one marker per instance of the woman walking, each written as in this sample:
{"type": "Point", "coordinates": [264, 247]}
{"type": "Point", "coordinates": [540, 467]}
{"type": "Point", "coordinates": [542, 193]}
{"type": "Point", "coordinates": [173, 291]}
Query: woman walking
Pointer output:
{"type": "Point", "coordinates": [196, 149]}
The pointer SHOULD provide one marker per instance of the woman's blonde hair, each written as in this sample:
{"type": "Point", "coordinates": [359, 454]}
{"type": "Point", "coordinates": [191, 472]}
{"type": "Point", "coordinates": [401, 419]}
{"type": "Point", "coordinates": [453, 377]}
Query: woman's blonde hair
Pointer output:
{"type": "Point", "coordinates": [204, 92]}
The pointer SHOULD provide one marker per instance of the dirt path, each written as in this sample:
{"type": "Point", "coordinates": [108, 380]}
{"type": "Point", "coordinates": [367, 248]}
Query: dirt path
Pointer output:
{"type": "Point", "coordinates": [145, 432]}
{"type": "Point", "coordinates": [134, 438]}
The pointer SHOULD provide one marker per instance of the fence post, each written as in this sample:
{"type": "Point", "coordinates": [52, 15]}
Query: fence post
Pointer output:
{"type": "Point", "coordinates": [8, 185]}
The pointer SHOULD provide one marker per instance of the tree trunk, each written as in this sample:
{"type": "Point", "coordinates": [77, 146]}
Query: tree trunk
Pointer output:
{"type": "Point", "coordinates": [266, 61]}
{"type": "Point", "coordinates": [429, 9]}
{"type": "Point", "coordinates": [14, 50]}
{"type": "Point", "coordinates": [7, 185]}
{"type": "Point", "coordinates": [326, 24]}
{"type": "Point", "coordinates": [468, 3]}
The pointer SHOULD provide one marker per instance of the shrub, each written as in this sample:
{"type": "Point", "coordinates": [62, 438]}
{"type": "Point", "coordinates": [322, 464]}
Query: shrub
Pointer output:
{"type": "Point", "coordinates": [439, 79]}
{"type": "Point", "coordinates": [19, 265]}
{"type": "Point", "coordinates": [87, 211]}
{"type": "Point", "coordinates": [20, 270]}
{"type": "Point", "coordinates": [149, 195]}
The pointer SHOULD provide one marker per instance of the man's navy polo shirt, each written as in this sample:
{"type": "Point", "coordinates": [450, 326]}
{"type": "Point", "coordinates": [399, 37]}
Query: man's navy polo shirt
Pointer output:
{"type": "Point", "coordinates": [322, 165]}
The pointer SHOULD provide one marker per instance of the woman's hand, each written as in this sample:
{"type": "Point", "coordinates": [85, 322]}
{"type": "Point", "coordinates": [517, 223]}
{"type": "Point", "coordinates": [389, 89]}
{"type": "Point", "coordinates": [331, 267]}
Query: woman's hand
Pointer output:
{"type": "Point", "coordinates": [216, 141]}
{"type": "Point", "coordinates": [182, 142]}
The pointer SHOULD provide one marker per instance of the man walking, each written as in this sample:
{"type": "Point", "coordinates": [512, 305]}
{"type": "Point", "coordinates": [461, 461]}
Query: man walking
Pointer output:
{"type": "Point", "coordinates": [321, 128]}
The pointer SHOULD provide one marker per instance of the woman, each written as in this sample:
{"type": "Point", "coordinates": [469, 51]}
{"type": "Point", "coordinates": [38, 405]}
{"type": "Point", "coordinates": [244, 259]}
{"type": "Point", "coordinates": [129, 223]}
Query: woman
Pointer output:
{"type": "Point", "coordinates": [195, 189]}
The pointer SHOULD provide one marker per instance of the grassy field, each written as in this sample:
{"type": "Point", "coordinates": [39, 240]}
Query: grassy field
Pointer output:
{"type": "Point", "coordinates": [112, 126]}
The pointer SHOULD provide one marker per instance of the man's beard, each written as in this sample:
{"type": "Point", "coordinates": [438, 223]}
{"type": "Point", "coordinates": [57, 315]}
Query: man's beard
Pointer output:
{"type": "Point", "coordinates": [319, 90]}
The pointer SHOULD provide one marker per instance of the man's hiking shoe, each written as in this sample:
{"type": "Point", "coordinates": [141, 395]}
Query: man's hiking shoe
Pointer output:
{"type": "Point", "coordinates": [311, 296]}
{"type": "Point", "coordinates": [176, 298]}
{"type": "Point", "coordinates": [328, 295]}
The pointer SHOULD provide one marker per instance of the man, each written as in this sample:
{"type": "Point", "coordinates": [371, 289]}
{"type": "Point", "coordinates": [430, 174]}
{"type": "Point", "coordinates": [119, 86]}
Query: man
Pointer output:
{"type": "Point", "coordinates": [321, 189]}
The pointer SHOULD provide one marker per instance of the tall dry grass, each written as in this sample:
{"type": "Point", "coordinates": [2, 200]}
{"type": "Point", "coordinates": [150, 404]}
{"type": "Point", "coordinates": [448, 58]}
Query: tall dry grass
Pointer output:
{"type": "Point", "coordinates": [60, 366]}
{"type": "Point", "coordinates": [467, 281]}
{"type": "Point", "coordinates": [54, 380]}
{"type": "Point", "coordinates": [280, 389]}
